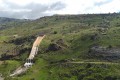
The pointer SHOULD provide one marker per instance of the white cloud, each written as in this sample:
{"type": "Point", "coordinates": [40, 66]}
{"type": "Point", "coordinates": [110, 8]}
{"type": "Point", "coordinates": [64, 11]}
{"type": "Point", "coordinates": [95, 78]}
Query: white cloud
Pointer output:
{"type": "Point", "coordinates": [90, 6]}
{"type": "Point", "coordinates": [25, 2]}
{"type": "Point", "coordinates": [112, 6]}
{"type": "Point", "coordinates": [38, 8]}
{"type": "Point", "coordinates": [20, 2]}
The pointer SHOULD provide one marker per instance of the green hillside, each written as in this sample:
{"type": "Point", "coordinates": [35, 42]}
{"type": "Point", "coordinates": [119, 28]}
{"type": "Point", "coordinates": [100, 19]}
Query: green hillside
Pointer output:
{"type": "Point", "coordinates": [10, 22]}
{"type": "Point", "coordinates": [76, 47]}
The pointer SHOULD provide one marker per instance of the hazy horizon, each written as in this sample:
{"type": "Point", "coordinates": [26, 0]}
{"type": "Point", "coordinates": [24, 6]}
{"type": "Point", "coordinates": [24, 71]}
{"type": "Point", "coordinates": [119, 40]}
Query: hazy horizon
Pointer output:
{"type": "Point", "coordinates": [33, 9]}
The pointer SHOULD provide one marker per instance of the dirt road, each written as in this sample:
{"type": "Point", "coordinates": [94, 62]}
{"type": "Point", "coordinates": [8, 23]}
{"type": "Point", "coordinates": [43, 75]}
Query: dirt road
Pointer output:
{"type": "Point", "coordinates": [19, 71]}
{"type": "Point", "coordinates": [108, 63]}
{"type": "Point", "coordinates": [38, 41]}
{"type": "Point", "coordinates": [35, 47]}
{"type": "Point", "coordinates": [31, 56]}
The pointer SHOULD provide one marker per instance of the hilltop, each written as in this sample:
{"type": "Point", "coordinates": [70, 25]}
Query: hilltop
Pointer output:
{"type": "Point", "coordinates": [76, 47]}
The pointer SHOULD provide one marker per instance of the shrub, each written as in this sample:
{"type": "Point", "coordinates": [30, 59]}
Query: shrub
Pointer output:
{"type": "Point", "coordinates": [55, 32]}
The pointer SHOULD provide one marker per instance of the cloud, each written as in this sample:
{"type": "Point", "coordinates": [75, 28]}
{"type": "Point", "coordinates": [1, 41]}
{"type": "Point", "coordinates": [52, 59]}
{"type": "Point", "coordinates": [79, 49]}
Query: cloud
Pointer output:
{"type": "Point", "coordinates": [105, 6]}
{"type": "Point", "coordinates": [33, 9]}
{"type": "Point", "coordinates": [102, 2]}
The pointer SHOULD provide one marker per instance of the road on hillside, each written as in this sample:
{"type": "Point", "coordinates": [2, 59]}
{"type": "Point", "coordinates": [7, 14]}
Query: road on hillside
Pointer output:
{"type": "Point", "coordinates": [82, 62]}
{"type": "Point", "coordinates": [19, 71]}
{"type": "Point", "coordinates": [1, 78]}
{"type": "Point", "coordinates": [31, 56]}
{"type": "Point", "coordinates": [35, 47]}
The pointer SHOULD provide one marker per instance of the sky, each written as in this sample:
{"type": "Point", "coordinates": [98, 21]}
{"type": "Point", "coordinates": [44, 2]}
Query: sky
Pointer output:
{"type": "Point", "coordinates": [33, 9]}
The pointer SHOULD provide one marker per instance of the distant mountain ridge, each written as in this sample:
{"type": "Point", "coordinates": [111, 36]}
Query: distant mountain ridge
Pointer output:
{"type": "Point", "coordinates": [9, 22]}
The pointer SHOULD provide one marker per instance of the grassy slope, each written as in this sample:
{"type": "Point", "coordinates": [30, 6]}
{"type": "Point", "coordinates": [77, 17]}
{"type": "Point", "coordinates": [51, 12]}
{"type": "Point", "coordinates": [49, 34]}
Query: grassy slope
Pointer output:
{"type": "Point", "coordinates": [76, 31]}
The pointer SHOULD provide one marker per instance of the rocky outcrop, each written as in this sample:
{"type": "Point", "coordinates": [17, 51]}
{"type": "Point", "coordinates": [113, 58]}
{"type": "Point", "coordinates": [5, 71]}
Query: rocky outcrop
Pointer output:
{"type": "Point", "coordinates": [105, 53]}
{"type": "Point", "coordinates": [22, 40]}
{"type": "Point", "coordinates": [61, 42]}
{"type": "Point", "coordinates": [57, 45]}
{"type": "Point", "coordinates": [53, 47]}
